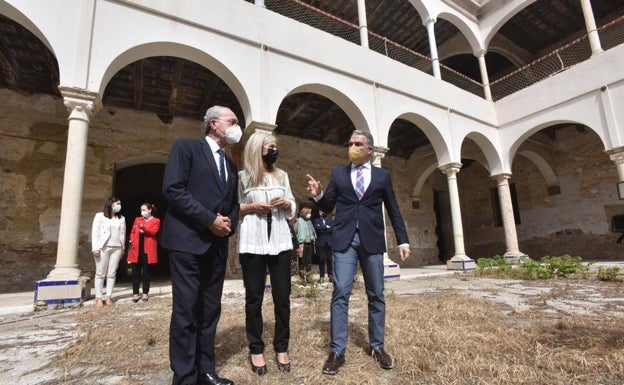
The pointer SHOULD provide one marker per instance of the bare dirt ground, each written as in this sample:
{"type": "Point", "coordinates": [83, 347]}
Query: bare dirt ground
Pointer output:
{"type": "Point", "coordinates": [457, 329]}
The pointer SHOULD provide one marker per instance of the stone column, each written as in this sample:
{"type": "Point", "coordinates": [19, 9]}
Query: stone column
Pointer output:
{"type": "Point", "coordinates": [391, 268]}
{"type": "Point", "coordinates": [513, 253]}
{"type": "Point", "coordinates": [484, 75]}
{"type": "Point", "coordinates": [433, 47]}
{"type": "Point", "coordinates": [64, 284]}
{"type": "Point", "coordinates": [590, 25]}
{"type": "Point", "coordinates": [460, 260]}
{"type": "Point", "coordinates": [617, 156]}
{"type": "Point", "coordinates": [361, 4]}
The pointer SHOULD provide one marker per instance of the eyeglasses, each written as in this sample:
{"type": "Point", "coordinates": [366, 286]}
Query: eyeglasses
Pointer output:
{"type": "Point", "coordinates": [231, 121]}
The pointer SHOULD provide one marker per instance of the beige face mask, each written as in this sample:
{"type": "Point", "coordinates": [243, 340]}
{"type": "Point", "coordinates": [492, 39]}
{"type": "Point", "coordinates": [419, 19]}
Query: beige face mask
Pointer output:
{"type": "Point", "coordinates": [356, 155]}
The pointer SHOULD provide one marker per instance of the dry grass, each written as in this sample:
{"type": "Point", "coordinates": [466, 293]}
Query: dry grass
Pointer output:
{"type": "Point", "coordinates": [439, 339]}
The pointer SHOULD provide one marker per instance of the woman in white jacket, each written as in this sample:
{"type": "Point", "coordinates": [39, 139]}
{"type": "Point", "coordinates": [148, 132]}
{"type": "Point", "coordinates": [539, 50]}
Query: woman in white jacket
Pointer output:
{"type": "Point", "coordinates": [108, 239]}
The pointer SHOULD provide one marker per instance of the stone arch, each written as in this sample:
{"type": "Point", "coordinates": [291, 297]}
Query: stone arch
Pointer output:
{"type": "Point", "coordinates": [341, 99]}
{"type": "Point", "coordinates": [470, 33]}
{"type": "Point", "coordinates": [439, 144]}
{"type": "Point", "coordinates": [542, 165]}
{"type": "Point", "coordinates": [422, 179]}
{"type": "Point", "coordinates": [494, 161]}
{"type": "Point", "coordinates": [177, 50]}
{"type": "Point", "coordinates": [515, 145]}
{"type": "Point", "coordinates": [160, 159]}
{"type": "Point", "coordinates": [505, 18]}
{"type": "Point", "coordinates": [17, 16]}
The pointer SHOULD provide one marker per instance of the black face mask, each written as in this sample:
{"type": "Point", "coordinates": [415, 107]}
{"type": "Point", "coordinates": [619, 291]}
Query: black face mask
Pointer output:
{"type": "Point", "coordinates": [271, 155]}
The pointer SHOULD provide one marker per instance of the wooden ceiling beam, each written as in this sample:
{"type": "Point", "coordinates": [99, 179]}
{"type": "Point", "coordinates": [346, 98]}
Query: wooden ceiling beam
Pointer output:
{"type": "Point", "coordinates": [302, 106]}
{"type": "Point", "coordinates": [138, 83]}
{"type": "Point", "coordinates": [319, 118]}
{"type": "Point", "coordinates": [175, 85]}
{"type": "Point", "coordinates": [9, 66]}
{"type": "Point", "coordinates": [208, 95]}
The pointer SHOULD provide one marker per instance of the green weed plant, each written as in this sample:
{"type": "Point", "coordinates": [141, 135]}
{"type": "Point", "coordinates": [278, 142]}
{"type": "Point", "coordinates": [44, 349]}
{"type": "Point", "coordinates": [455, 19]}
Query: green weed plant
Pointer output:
{"type": "Point", "coordinates": [548, 267]}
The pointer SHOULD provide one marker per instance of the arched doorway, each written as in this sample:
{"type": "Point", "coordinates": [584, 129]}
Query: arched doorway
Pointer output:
{"type": "Point", "coordinates": [135, 185]}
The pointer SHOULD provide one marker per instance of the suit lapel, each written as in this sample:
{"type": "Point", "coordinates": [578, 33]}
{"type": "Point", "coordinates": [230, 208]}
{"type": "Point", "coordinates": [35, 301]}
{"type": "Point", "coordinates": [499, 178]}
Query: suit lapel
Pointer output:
{"type": "Point", "coordinates": [349, 182]}
{"type": "Point", "coordinates": [212, 164]}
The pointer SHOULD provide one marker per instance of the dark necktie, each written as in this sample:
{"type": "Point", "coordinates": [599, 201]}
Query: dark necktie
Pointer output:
{"type": "Point", "coordinates": [222, 168]}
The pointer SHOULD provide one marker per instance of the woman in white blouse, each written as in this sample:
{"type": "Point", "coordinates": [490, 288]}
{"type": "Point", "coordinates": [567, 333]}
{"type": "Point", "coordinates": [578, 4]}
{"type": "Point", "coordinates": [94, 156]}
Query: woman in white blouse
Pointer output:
{"type": "Point", "coordinates": [264, 242]}
{"type": "Point", "coordinates": [108, 237]}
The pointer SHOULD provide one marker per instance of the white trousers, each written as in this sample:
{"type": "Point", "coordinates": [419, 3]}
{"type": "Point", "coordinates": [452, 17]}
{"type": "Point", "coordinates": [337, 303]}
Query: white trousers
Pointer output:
{"type": "Point", "coordinates": [106, 266]}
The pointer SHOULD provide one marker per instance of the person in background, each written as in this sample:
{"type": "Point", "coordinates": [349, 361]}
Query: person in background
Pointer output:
{"type": "Point", "coordinates": [108, 237]}
{"type": "Point", "coordinates": [359, 192]}
{"type": "Point", "coordinates": [143, 249]}
{"type": "Point", "coordinates": [201, 186]}
{"type": "Point", "coordinates": [264, 242]}
{"type": "Point", "coordinates": [295, 254]}
{"type": "Point", "coordinates": [323, 226]}
{"type": "Point", "coordinates": [306, 237]}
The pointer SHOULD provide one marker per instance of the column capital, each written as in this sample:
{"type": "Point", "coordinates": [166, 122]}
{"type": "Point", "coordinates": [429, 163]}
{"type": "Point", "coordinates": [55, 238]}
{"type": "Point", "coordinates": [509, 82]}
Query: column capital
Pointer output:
{"type": "Point", "coordinates": [616, 154]}
{"type": "Point", "coordinates": [80, 99]}
{"type": "Point", "coordinates": [502, 177]}
{"type": "Point", "coordinates": [450, 168]}
{"type": "Point", "coordinates": [265, 127]}
{"type": "Point", "coordinates": [429, 20]}
{"type": "Point", "coordinates": [378, 154]}
{"type": "Point", "coordinates": [480, 53]}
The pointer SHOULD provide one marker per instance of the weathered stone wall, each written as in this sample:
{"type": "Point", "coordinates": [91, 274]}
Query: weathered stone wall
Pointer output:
{"type": "Point", "coordinates": [33, 135]}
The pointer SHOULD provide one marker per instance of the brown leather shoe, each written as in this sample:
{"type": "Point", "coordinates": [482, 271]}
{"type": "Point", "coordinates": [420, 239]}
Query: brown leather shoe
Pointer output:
{"type": "Point", "coordinates": [384, 359]}
{"type": "Point", "coordinates": [334, 361]}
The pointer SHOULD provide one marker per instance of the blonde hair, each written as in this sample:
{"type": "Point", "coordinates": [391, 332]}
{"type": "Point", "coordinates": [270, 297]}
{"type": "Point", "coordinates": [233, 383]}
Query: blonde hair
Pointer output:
{"type": "Point", "coordinates": [252, 157]}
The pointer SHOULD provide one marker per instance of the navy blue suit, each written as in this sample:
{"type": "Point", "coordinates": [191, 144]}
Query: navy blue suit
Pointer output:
{"type": "Point", "coordinates": [197, 256]}
{"type": "Point", "coordinates": [358, 236]}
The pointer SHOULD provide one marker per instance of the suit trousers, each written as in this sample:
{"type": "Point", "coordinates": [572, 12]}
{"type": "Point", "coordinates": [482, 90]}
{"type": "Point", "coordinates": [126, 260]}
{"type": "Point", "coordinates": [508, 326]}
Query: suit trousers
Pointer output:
{"type": "Point", "coordinates": [254, 277]}
{"type": "Point", "coordinates": [197, 286]}
{"type": "Point", "coordinates": [345, 266]}
{"type": "Point", "coordinates": [325, 260]}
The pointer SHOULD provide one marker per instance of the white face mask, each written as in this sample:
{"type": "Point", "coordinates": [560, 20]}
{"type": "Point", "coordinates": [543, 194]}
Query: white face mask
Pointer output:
{"type": "Point", "coordinates": [308, 216]}
{"type": "Point", "coordinates": [233, 134]}
{"type": "Point", "coordinates": [144, 213]}
{"type": "Point", "coordinates": [117, 208]}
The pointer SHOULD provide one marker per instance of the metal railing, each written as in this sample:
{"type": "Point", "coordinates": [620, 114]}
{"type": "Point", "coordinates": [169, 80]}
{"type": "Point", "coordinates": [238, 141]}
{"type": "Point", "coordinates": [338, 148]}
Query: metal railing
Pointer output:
{"type": "Point", "coordinates": [611, 35]}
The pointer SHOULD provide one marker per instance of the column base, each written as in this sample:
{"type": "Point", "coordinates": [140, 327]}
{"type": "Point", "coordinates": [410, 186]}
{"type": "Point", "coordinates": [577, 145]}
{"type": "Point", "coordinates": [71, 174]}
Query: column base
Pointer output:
{"type": "Point", "coordinates": [392, 271]}
{"type": "Point", "coordinates": [515, 259]}
{"type": "Point", "coordinates": [461, 263]}
{"type": "Point", "coordinates": [58, 292]}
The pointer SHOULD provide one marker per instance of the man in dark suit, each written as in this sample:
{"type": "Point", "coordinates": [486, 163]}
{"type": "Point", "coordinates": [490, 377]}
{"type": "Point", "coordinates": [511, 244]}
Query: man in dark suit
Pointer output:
{"type": "Point", "coordinates": [201, 186]}
{"type": "Point", "coordinates": [357, 191]}
{"type": "Point", "coordinates": [323, 226]}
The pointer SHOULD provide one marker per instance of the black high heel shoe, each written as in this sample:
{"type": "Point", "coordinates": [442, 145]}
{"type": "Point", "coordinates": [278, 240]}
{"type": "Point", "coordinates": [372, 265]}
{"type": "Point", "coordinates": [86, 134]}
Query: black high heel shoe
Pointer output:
{"type": "Point", "coordinates": [282, 367]}
{"type": "Point", "coordinates": [259, 370]}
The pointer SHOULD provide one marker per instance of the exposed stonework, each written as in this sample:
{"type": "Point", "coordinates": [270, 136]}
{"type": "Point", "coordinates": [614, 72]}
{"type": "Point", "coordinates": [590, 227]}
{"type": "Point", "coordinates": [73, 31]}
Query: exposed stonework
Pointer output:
{"type": "Point", "coordinates": [33, 135]}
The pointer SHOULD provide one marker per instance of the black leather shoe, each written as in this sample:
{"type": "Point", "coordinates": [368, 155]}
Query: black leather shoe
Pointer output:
{"type": "Point", "coordinates": [213, 379]}
{"type": "Point", "coordinates": [282, 367]}
{"type": "Point", "coordinates": [334, 361]}
{"type": "Point", "coordinates": [384, 359]}
{"type": "Point", "coordinates": [259, 370]}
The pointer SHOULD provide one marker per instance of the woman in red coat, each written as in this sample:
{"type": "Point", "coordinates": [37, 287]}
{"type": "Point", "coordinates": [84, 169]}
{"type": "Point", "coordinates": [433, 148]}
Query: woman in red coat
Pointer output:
{"type": "Point", "coordinates": [143, 249]}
